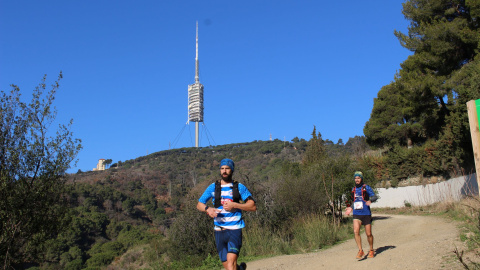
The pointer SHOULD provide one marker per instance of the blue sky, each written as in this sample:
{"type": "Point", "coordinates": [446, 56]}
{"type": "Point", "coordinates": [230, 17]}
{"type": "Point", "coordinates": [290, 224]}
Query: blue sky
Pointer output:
{"type": "Point", "coordinates": [268, 67]}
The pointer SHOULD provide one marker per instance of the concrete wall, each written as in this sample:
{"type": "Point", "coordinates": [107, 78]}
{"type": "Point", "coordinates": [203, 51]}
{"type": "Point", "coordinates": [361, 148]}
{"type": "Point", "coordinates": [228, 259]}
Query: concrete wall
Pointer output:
{"type": "Point", "coordinates": [453, 189]}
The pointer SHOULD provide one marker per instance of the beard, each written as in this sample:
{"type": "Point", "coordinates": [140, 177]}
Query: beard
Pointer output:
{"type": "Point", "coordinates": [360, 184]}
{"type": "Point", "coordinates": [226, 177]}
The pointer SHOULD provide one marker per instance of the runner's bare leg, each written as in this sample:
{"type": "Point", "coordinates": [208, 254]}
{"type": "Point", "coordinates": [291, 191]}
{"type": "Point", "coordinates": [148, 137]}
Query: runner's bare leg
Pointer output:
{"type": "Point", "coordinates": [356, 230]}
{"type": "Point", "coordinates": [368, 232]}
{"type": "Point", "coordinates": [231, 263]}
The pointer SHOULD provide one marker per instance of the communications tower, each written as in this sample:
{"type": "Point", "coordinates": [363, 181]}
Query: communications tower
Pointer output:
{"type": "Point", "coordinates": [195, 97]}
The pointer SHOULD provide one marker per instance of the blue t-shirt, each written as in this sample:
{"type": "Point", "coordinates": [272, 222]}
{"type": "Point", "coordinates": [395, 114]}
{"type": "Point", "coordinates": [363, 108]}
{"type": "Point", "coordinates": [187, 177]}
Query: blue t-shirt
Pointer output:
{"type": "Point", "coordinates": [225, 219]}
{"type": "Point", "coordinates": [365, 211]}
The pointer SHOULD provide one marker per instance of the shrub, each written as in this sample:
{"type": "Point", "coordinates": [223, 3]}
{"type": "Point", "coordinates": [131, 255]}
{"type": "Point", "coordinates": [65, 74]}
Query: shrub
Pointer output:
{"type": "Point", "coordinates": [191, 233]}
{"type": "Point", "coordinates": [100, 259]}
{"type": "Point", "coordinates": [259, 240]}
{"type": "Point", "coordinates": [313, 232]}
{"type": "Point", "coordinates": [74, 265]}
{"type": "Point", "coordinates": [114, 247]}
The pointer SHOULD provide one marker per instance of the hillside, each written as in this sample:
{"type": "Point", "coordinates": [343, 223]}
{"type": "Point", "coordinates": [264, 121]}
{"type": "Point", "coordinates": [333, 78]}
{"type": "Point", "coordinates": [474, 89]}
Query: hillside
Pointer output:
{"type": "Point", "coordinates": [168, 176]}
{"type": "Point", "coordinates": [138, 200]}
{"type": "Point", "coordinates": [171, 174]}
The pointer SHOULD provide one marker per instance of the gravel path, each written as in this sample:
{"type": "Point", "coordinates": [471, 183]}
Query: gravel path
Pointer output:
{"type": "Point", "coordinates": [401, 242]}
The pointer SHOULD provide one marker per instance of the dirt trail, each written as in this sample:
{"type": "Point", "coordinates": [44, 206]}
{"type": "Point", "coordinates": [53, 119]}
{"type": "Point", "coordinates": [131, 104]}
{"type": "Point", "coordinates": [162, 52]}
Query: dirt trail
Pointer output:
{"type": "Point", "coordinates": [401, 242]}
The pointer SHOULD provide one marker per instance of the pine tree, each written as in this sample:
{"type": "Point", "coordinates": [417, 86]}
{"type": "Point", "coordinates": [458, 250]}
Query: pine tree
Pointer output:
{"type": "Point", "coordinates": [427, 97]}
{"type": "Point", "coordinates": [315, 151]}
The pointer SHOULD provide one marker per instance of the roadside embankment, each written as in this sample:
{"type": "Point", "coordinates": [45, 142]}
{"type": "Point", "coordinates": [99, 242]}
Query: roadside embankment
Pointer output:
{"type": "Point", "coordinates": [451, 190]}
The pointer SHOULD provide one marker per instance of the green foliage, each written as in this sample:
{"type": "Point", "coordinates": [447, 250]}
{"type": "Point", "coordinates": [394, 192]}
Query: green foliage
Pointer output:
{"type": "Point", "coordinates": [134, 236]}
{"type": "Point", "coordinates": [315, 150]}
{"type": "Point", "coordinates": [374, 168]}
{"type": "Point", "coordinates": [74, 265]}
{"type": "Point", "coordinates": [100, 259]}
{"type": "Point", "coordinates": [32, 167]}
{"type": "Point", "coordinates": [284, 190]}
{"type": "Point", "coordinates": [97, 228]}
{"type": "Point", "coordinates": [74, 254]}
{"type": "Point", "coordinates": [191, 233]}
{"type": "Point", "coordinates": [211, 262]}
{"type": "Point", "coordinates": [428, 160]}
{"type": "Point", "coordinates": [114, 228]}
{"type": "Point", "coordinates": [356, 146]}
{"type": "Point", "coordinates": [107, 162]}
{"type": "Point", "coordinates": [313, 232]}
{"type": "Point", "coordinates": [391, 120]}
{"type": "Point", "coordinates": [260, 240]}
{"type": "Point", "coordinates": [127, 206]}
{"type": "Point", "coordinates": [102, 254]}
{"type": "Point", "coordinates": [402, 161]}
{"type": "Point", "coordinates": [301, 233]}
{"type": "Point", "coordinates": [301, 195]}
{"type": "Point", "coordinates": [407, 204]}
{"type": "Point", "coordinates": [425, 105]}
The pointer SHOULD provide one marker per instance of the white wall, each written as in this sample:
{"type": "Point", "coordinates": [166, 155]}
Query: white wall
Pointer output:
{"type": "Point", "coordinates": [453, 189]}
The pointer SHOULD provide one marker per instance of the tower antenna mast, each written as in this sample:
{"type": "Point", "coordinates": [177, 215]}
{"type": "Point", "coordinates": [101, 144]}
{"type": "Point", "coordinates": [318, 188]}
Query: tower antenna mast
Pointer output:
{"type": "Point", "coordinates": [195, 96]}
{"type": "Point", "coordinates": [197, 77]}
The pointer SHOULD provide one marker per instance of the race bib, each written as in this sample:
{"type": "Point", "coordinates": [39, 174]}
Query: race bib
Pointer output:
{"type": "Point", "coordinates": [358, 205]}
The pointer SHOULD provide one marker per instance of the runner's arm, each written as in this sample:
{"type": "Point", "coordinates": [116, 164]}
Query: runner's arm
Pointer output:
{"type": "Point", "coordinates": [372, 195]}
{"type": "Point", "coordinates": [202, 202]}
{"type": "Point", "coordinates": [211, 212]}
{"type": "Point", "coordinates": [249, 205]}
{"type": "Point", "coordinates": [201, 207]}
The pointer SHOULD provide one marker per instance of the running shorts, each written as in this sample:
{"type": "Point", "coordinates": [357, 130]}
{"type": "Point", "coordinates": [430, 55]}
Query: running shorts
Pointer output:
{"type": "Point", "coordinates": [364, 219]}
{"type": "Point", "coordinates": [228, 241]}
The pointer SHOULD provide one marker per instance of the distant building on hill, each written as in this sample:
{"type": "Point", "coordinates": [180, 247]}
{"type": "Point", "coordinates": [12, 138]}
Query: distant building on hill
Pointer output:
{"type": "Point", "coordinates": [100, 165]}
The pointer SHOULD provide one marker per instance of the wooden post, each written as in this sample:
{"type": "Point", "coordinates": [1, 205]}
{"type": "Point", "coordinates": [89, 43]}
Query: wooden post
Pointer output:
{"type": "Point", "coordinates": [475, 133]}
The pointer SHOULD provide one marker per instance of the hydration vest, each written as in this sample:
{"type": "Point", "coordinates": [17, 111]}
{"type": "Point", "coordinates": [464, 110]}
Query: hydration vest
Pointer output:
{"type": "Point", "coordinates": [218, 193]}
{"type": "Point", "coordinates": [365, 195]}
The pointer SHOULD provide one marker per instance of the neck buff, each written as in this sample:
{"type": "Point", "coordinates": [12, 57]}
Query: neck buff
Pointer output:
{"type": "Point", "coordinates": [359, 185]}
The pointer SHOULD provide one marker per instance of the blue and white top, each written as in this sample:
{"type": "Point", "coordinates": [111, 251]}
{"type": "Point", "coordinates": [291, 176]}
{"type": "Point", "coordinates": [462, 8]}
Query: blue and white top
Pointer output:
{"type": "Point", "coordinates": [364, 208]}
{"type": "Point", "coordinates": [225, 219]}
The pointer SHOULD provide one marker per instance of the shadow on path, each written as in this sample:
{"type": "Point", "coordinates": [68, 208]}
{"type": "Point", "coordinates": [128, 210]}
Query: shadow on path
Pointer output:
{"type": "Point", "coordinates": [377, 251]}
{"type": "Point", "coordinates": [384, 248]}
{"type": "Point", "coordinates": [380, 217]}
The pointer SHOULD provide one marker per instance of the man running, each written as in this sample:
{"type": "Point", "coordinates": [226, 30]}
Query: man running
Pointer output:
{"type": "Point", "coordinates": [227, 214]}
{"type": "Point", "coordinates": [362, 196]}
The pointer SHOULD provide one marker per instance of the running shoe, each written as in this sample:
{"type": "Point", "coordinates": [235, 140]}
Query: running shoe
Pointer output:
{"type": "Point", "coordinates": [371, 254]}
{"type": "Point", "coordinates": [360, 254]}
{"type": "Point", "coordinates": [243, 266]}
